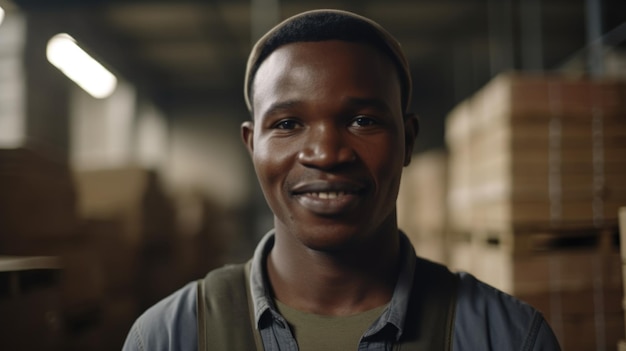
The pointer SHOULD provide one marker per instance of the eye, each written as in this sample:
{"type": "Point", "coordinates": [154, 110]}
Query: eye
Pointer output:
{"type": "Point", "coordinates": [363, 121]}
{"type": "Point", "coordinates": [286, 124]}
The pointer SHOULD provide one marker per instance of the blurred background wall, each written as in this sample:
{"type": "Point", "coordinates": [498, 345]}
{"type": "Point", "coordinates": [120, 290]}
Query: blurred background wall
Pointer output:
{"type": "Point", "coordinates": [109, 203]}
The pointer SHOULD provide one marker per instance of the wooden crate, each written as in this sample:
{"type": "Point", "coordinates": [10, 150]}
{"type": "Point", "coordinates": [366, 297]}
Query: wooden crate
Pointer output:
{"type": "Point", "coordinates": [421, 205]}
{"type": "Point", "coordinates": [531, 149]}
{"type": "Point", "coordinates": [582, 320]}
{"type": "Point", "coordinates": [534, 261]}
{"type": "Point", "coordinates": [434, 248]}
{"type": "Point", "coordinates": [458, 139]}
{"type": "Point", "coordinates": [584, 302]}
{"type": "Point", "coordinates": [133, 197]}
{"type": "Point", "coordinates": [519, 95]}
{"type": "Point", "coordinates": [119, 262]}
{"type": "Point", "coordinates": [573, 276]}
{"type": "Point", "coordinates": [37, 197]}
{"type": "Point", "coordinates": [582, 333]}
{"type": "Point", "coordinates": [567, 269]}
{"type": "Point", "coordinates": [519, 179]}
{"type": "Point", "coordinates": [422, 195]}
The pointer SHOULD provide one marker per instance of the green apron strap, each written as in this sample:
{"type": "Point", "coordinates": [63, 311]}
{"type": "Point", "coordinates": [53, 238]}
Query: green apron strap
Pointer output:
{"type": "Point", "coordinates": [430, 319]}
{"type": "Point", "coordinates": [225, 322]}
{"type": "Point", "coordinates": [201, 313]}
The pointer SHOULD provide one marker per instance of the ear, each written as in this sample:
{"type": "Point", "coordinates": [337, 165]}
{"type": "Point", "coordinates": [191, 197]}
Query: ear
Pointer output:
{"type": "Point", "coordinates": [411, 130]}
{"type": "Point", "coordinates": [247, 135]}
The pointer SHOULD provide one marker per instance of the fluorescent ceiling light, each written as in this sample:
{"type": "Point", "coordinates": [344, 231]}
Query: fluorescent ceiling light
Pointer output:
{"type": "Point", "coordinates": [1, 14]}
{"type": "Point", "coordinates": [77, 65]}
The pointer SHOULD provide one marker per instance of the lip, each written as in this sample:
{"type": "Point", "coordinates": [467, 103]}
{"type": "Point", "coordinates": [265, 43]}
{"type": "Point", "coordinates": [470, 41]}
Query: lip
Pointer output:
{"type": "Point", "coordinates": [327, 186]}
{"type": "Point", "coordinates": [328, 198]}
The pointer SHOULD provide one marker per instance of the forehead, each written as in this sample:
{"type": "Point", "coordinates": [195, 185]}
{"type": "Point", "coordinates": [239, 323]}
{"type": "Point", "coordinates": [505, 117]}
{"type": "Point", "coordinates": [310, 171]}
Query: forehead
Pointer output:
{"type": "Point", "coordinates": [325, 71]}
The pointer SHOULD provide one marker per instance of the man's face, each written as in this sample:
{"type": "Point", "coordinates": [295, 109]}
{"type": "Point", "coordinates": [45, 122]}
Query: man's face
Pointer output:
{"type": "Point", "coordinates": [329, 141]}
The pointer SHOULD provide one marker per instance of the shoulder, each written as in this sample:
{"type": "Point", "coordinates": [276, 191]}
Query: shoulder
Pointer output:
{"type": "Point", "coordinates": [489, 319]}
{"type": "Point", "coordinates": [168, 325]}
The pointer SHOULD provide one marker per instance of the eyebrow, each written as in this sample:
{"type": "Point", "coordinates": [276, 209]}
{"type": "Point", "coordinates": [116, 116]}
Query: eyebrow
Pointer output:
{"type": "Point", "coordinates": [281, 106]}
{"type": "Point", "coordinates": [379, 104]}
{"type": "Point", "coordinates": [350, 102]}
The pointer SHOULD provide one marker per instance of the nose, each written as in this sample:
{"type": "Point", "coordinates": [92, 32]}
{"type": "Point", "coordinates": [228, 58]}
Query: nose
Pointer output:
{"type": "Point", "coordinates": [326, 147]}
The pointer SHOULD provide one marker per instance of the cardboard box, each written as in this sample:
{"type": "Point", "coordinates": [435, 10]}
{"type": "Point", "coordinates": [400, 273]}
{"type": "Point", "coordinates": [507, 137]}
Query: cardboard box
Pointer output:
{"type": "Point", "coordinates": [537, 149]}
{"type": "Point", "coordinates": [133, 197]}
{"type": "Point", "coordinates": [421, 205]}
{"type": "Point", "coordinates": [583, 333]}
{"type": "Point", "coordinates": [37, 197]}
{"type": "Point", "coordinates": [536, 262]}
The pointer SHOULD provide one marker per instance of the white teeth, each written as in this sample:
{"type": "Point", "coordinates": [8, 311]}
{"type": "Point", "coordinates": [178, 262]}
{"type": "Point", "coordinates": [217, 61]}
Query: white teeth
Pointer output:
{"type": "Point", "coordinates": [328, 195]}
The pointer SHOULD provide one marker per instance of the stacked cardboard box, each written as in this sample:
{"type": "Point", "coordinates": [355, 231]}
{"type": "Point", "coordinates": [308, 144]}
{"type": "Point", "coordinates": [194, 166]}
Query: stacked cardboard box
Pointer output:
{"type": "Point", "coordinates": [132, 196]}
{"type": "Point", "coordinates": [128, 220]}
{"type": "Point", "coordinates": [96, 290]}
{"type": "Point", "coordinates": [422, 204]}
{"type": "Point", "coordinates": [203, 239]}
{"type": "Point", "coordinates": [458, 140]}
{"type": "Point", "coordinates": [531, 152]}
{"type": "Point", "coordinates": [38, 216]}
{"type": "Point", "coordinates": [37, 197]}
{"type": "Point", "coordinates": [148, 242]}
{"type": "Point", "coordinates": [536, 177]}
{"type": "Point", "coordinates": [132, 203]}
{"type": "Point", "coordinates": [547, 150]}
{"type": "Point", "coordinates": [577, 289]}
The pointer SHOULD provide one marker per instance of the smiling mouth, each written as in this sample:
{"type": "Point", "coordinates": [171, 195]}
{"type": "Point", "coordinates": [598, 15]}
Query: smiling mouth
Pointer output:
{"type": "Point", "coordinates": [327, 189]}
{"type": "Point", "coordinates": [329, 202]}
{"type": "Point", "coordinates": [327, 194]}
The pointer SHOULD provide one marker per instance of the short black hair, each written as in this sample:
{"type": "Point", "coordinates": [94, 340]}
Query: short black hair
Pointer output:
{"type": "Point", "coordinates": [322, 25]}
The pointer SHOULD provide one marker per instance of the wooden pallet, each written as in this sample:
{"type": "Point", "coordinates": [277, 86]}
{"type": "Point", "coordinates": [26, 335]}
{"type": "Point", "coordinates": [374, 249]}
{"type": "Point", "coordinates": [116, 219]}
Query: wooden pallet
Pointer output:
{"type": "Point", "coordinates": [531, 238]}
{"type": "Point", "coordinates": [571, 274]}
{"type": "Point", "coordinates": [539, 259]}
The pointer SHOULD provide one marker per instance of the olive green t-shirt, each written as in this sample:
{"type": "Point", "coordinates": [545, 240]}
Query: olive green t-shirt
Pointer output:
{"type": "Point", "coordinates": [315, 332]}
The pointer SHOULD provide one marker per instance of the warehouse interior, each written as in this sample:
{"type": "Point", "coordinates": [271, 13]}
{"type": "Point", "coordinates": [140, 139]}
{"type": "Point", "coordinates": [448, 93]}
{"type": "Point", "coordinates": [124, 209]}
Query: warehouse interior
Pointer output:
{"type": "Point", "coordinates": [110, 203]}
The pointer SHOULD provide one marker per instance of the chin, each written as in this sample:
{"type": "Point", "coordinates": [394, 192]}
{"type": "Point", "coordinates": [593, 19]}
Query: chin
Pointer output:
{"type": "Point", "coordinates": [331, 239]}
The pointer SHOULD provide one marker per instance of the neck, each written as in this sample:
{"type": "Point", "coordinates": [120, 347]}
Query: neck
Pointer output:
{"type": "Point", "coordinates": [337, 282]}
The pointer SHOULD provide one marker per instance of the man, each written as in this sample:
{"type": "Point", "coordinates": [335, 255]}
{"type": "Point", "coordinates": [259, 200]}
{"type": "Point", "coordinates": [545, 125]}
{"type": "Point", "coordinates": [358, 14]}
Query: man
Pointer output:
{"type": "Point", "coordinates": [330, 133]}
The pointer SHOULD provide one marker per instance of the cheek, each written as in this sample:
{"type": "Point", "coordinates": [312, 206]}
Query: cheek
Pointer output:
{"type": "Point", "coordinates": [271, 161]}
{"type": "Point", "coordinates": [385, 161]}
{"type": "Point", "coordinates": [272, 165]}
{"type": "Point", "coordinates": [265, 168]}
{"type": "Point", "coordinates": [385, 156]}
